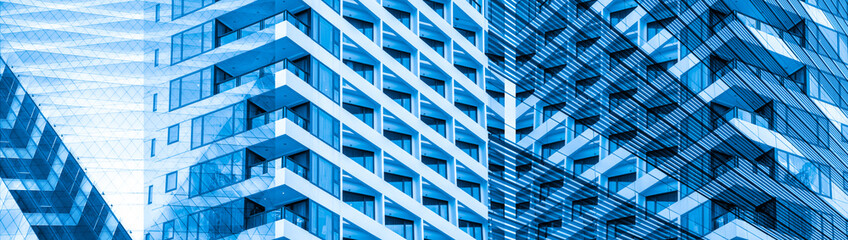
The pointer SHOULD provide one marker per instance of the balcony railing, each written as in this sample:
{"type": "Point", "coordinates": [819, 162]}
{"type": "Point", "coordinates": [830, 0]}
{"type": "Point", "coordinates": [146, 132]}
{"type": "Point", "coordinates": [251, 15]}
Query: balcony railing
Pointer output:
{"type": "Point", "coordinates": [759, 73]}
{"type": "Point", "coordinates": [267, 70]}
{"type": "Point", "coordinates": [761, 26]}
{"type": "Point", "coordinates": [726, 166]}
{"type": "Point", "coordinates": [266, 217]}
{"type": "Point", "coordinates": [261, 25]}
{"type": "Point", "coordinates": [272, 116]}
{"type": "Point", "coordinates": [725, 218]}
{"type": "Point", "coordinates": [284, 162]}
{"type": "Point", "coordinates": [747, 116]}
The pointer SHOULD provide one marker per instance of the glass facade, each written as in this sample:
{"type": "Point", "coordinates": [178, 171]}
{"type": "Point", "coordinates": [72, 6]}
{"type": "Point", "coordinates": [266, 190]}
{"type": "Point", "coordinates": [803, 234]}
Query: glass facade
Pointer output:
{"type": "Point", "coordinates": [441, 119]}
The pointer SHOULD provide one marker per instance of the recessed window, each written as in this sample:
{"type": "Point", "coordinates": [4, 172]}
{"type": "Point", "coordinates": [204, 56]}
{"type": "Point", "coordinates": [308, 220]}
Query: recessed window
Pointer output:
{"type": "Point", "coordinates": [174, 133]}
{"type": "Point", "coordinates": [150, 194]}
{"type": "Point", "coordinates": [438, 165]}
{"type": "Point", "coordinates": [403, 141]}
{"type": "Point", "coordinates": [168, 230]}
{"type": "Point", "coordinates": [436, 124]}
{"type": "Point", "coordinates": [402, 183]}
{"type": "Point", "coordinates": [471, 188]}
{"type": "Point", "coordinates": [171, 182]}
{"type": "Point", "coordinates": [470, 149]}
{"type": "Point", "coordinates": [152, 147]}
{"type": "Point", "coordinates": [362, 157]}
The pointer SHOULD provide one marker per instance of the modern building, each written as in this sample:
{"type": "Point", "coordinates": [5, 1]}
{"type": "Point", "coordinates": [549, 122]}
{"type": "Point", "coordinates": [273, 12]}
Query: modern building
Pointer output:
{"type": "Point", "coordinates": [424, 119]}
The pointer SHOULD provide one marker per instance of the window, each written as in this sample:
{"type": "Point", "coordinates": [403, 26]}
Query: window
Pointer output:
{"type": "Point", "coordinates": [156, 54]}
{"type": "Point", "coordinates": [496, 169]}
{"type": "Point", "coordinates": [152, 147]}
{"type": "Point", "coordinates": [150, 194]}
{"type": "Point", "coordinates": [328, 36]}
{"type": "Point", "coordinates": [438, 165]}
{"type": "Point", "coordinates": [402, 183]}
{"type": "Point", "coordinates": [362, 157]}
{"type": "Point", "coordinates": [472, 228]}
{"type": "Point", "coordinates": [326, 81]}
{"type": "Point", "coordinates": [435, 84]}
{"type": "Point", "coordinates": [521, 207]}
{"type": "Point", "coordinates": [521, 96]}
{"type": "Point", "coordinates": [583, 124]}
{"type": "Point", "coordinates": [582, 46]}
{"type": "Point", "coordinates": [364, 70]}
{"type": "Point", "coordinates": [655, 27]}
{"type": "Point", "coordinates": [438, 206]}
{"type": "Point", "coordinates": [192, 42]}
{"type": "Point", "coordinates": [469, 148]}
{"type": "Point", "coordinates": [522, 132]}
{"type": "Point", "coordinates": [168, 230]}
{"type": "Point", "coordinates": [498, 207]}
{"type": "Point", "coordinates": [155, 101]}
{"type": "Point", "coordinates": [404, 99]}
{"type": "Point", "coordinates": [549, 111]}
{"type": "Point", "coordinates": [658, 202]}
{"type": "Point", "coordinates": [470, 73]}
{"type": "Point", "coordinates": [620, 228]}
{"type": "Point", "coordinates": [550, 74]}
{"type": "Point", "coordinates": [469, 110]}
{"type": "Point", "coordinates": [658, 157]}
{"type": "Point", "coordinates": [551, 35]}
{"type": "Point", "coordinates": [171, 182]}
{"type": "Point", "coordinates": [436, 124]}
{"type": "Point", "coordinates": [470, 187]}
{"type": "Point", "coordinates": [362, 113]}
{"type": "Point", "coordinates": [617, 16]}
{"type": "Point", "coordinates": [617, 183]}
{"type": "Point", "coordinates": [190, 88]}
{"type": "Point", "coordinates": [326, 127]}
{"type": "Point", "coordinates": [580, 86]}
{"type": "Point", "coordinates": [403, 227]}
{"type": "Point", "coordinates": [401, 16]}
{"type": "Point", "coordinates": [468, 35]}
{"type": "Point", "coordinates": [496, 95]}
{"type": "Point", "coordinates": [401, 140]}
{"type": "Point", "coordinates": [551, 148]}
{"type": "Point", "coordinates": [439, 8]}
{"type": "Point", "coordinates": [618, 140]}
{"type": "Point", "coordinates": [367, 28]}
{"type": "Point", "coordinates": [182, 7]}
{"type": "Point", "coordinates": [327, 175]}
{"type": "Point", "coordinates": [217, 125]}
{"type": "Point", "coordinates": [363, 203]}
{"type": "Point", "coordinates": [174, 133]}
{"type": "Point", "coordinates": [584, 164]}
{"type": "Point", "coordinates": [619, 98]}
{"type": "Point", "coordinates": [216, 173]}
{"type": "Point", "coordinates": [844, 129]}
{"type": "Point", "coordinates": [582, 208]}
{"type": "Point", "coordinates": [548, 188]}
{"type": "Point", "coordinates": [436, 45]}
{"type": "Point", "coordinates": [656, 114]}
{"type": "Point", "coordinates": [402, 57]}
{"type": "Point", "coordinates": [548, 228]}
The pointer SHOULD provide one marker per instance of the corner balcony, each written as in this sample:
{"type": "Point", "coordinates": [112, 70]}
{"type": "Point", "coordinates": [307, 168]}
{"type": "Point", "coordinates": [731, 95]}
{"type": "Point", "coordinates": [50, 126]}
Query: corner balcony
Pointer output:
{"type": "Point", "coordinates": [736, 31]}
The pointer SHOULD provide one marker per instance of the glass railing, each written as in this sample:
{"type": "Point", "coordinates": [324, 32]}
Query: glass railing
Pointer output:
{"type": "Point", "coordinates": [476, 5]}
{"type": "Point", "coordinates": [761, 26]}
{"type": "Point", "coordinates": [726, 166]}
{"type": "Point", "coordinates": [298, 169]}
{"type": "Point", "coordinates": [272, 116]}
{"type": "Point", "coordinates": [263, 24]}
{"type": "Point", "coordinates": [284, 162]}
{"type": "Point", "coordinates": [747, 116]}
{"type": "Point", "coordinates": [759, 73]}
{"type": "Point", "coordinates": [724, 219]}
{"type": "Point", "coordinates": [267, 70]}
{"type": "Point", "coordinates": [266, 217]}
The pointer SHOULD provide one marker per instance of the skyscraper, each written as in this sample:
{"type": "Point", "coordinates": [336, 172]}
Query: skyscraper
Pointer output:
{"type": "Point", "coordinates": [425, 119]}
